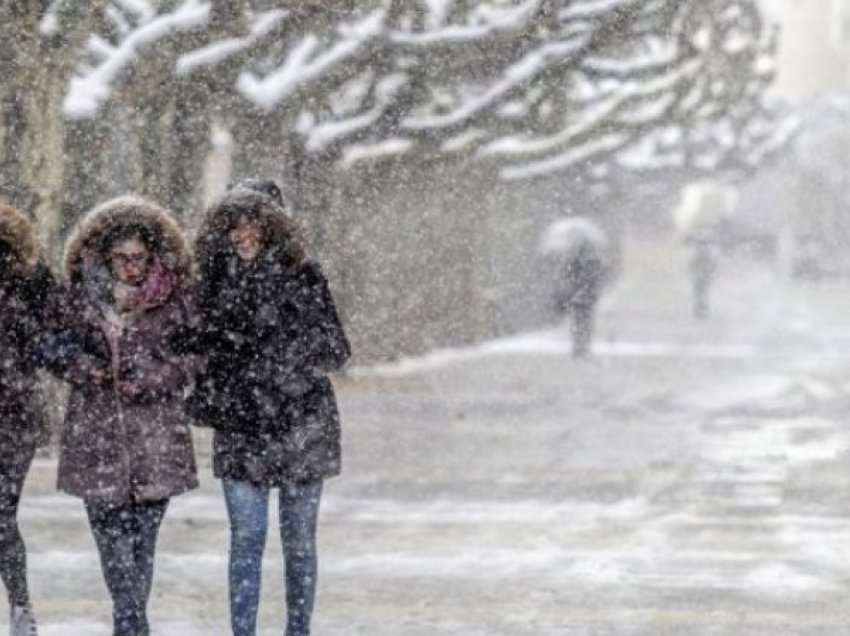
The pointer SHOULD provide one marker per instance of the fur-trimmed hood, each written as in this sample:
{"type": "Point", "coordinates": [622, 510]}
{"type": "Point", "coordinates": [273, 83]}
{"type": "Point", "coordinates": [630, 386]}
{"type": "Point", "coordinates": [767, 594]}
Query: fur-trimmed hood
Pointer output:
{"type": "Point", "coordinates": [84, 241]}
{"type": "Point", "coordinates": [280, 230]}
{"type": "Point", "coordinates": [17, 230]}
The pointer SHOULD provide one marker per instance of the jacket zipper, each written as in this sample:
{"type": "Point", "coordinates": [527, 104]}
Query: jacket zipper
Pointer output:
{"type": "Point", "coordinates": [115, 362]}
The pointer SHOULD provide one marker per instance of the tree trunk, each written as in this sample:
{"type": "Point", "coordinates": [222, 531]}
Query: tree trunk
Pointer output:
{"type": "Point", "coordinates": [89, 168]}
{"type": "Point", "coordinates": [191, 139]}
{"type": "Point", "coordinates": [35, 70]}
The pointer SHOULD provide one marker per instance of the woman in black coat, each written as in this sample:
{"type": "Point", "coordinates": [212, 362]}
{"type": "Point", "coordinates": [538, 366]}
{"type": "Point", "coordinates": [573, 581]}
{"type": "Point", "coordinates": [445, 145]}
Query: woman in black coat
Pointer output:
{"type": "Point", "coordinates": [271, 333]}
{"type": "Point", "coordinates": [25, 284]}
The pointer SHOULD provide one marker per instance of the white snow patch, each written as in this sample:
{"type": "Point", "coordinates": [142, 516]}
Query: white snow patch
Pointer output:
{"type": "Point", "coordinates": [90, 629]}
{"type": "Point", "coordinates": [550, 342]}
{"type": "Point", "coordinates": [319, 136]}
{"type": "Point", "coordinates": [579, 124]}
{"type": "Point", "coordinates": [573, 156]}
{"type": "Point", "coordinates": [100, 47]}
{"type": "Point", "coordinates": [517, 74]}
{"type": "Point", "coordinates": [662, 54]}
{"type": "Point", "coordinates": [322, 135]}
{"type": "Point", "coordinates": [444, 35]}
{"type": "Point", "coordinates": [780, 578]}
{"type": "Point", "coordinates": [648, 112]}
{"type": "Point", "coordinates": [299, 68]}
{"type": "Point", "coordinates": [372, 152]}
{"type": "Point", "coordinates": [703, 205]}
{"type": "Point", "coordinates": [726, 396]}
{"type": "Point", "coordinates": [580, 515]}
{"type": "Point", "coordinates": [349, 98]}
{"type": "Point", "coordinates": [142, 9]}
{"type": "Point", "coordinates": [216, 53]}
{"type": "Point", "coordinates": [462, 141]}
{"type": "Point", "coordinates": [86, 93]}
{"type": "Point", "coordinates": [468, 563]}
{"type": "Point", "coordinates": [566, 236]}
{"type": "Point", "coordinates": [49, 24]}
{"type": "Point", "coordinates": [777, 442]}
{"type": "Point", "coordinates": [220, 136]}
{"type": "Point", "coordinates": [618, 106]}
{"type": "Point", "coordinates": [493, 20]}
{"type": "Point", "coordinates": [437, 12]}
{"type": "Point", "coordinates": [592, 9]}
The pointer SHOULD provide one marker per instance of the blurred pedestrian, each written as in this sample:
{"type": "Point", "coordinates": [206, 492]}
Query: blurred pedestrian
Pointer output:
{"type": "Point", "coordinates": [703, 220]}
{"type": "Point", "coordinates": [126, 446]}
{"type": "Point", "coordinates": [25, 287]}
{"type": "Point", "coordinates": [581, 250]}
{"type": "Point", "coordinates": [581, 287]}
{"type": "Point", "coordinates": [702, 267]}
{"type": "Point", "coordinates": [271, 334]}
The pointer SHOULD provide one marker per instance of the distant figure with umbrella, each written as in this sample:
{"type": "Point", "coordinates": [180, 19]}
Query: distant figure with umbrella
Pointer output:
{"type": "Point", "coordinates": [582, 253]}
{"type": "Point", "coordinates": [702, 266]}
{"type": "Point", "coordinates": [701, 217]}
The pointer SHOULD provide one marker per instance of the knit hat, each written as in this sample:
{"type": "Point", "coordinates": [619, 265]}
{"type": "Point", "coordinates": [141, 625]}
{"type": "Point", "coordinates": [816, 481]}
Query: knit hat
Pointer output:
{"type": "Point", "coordinates": [264, 186]}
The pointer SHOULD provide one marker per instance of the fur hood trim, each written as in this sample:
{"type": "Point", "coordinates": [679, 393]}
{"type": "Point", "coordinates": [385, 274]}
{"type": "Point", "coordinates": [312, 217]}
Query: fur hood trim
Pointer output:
{"type": "Point", "coordinates": [18, 231]}
{"type": "Point", "coordinates": [174, 251]}
{"type": "Point", "coordinates": [280, 229]}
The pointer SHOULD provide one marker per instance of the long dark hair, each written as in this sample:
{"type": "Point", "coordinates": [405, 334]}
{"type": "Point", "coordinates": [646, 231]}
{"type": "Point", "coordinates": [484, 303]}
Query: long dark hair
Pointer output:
{"type": "Point", "coordinates": [7, 261]}
{"type": "Point", "coordinates": [278, 230]}
{"type": "Point", "coordinates": [280, 237]}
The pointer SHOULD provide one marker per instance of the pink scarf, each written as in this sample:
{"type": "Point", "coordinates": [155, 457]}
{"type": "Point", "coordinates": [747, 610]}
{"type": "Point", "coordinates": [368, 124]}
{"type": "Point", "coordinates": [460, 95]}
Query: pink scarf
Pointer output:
{"type": "Point", "coordinates": [158, 286]}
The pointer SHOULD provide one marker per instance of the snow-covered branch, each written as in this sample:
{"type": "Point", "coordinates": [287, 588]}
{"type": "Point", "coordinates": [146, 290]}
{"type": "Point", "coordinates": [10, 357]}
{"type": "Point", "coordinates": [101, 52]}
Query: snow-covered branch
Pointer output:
{"type": "Point", "coordinates": [89, 91]}
{"type": "Point", "coordinates": [308, 61]}
{"type": "Point", "coordinates": [533, 86]}
{"type": "Point", "coordinates": [217, 52]}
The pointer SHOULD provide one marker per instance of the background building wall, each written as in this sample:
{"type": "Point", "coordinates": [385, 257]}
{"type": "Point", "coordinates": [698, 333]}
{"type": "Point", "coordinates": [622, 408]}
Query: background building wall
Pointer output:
{"type": "Point", "coordinates": [814, 54]}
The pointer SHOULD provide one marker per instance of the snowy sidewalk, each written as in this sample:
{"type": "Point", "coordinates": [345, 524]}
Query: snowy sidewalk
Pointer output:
{"type": "Point", "coordinates": [687, 480]}
{"type": "Point", "coordinates": [528, 495]}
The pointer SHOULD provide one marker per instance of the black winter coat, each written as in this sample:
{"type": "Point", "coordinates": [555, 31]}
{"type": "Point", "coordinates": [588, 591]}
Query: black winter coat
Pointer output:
{"type": "Point", "coordinates": [583, 278]}
{"type": "Point", "coordinates": [271, 335]}
{"type": "Point", "coordinates": [24, 302]}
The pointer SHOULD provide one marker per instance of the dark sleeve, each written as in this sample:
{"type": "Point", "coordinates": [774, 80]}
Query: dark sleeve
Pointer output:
{"type": "Point", "coordinates": [65, 353]}
{"type": "Point", "coordinates": [192, 335]}
{"type": "Point", "coordinates": [569, 281]}
{"type": "Point", "coordinates": [66, 347]}
{"type": "Point", "coordinates": [321, 343]}
{"type": "Point", "coordinates": [38, 292]}
{"type": "Point", "coordinates": [35, 291]}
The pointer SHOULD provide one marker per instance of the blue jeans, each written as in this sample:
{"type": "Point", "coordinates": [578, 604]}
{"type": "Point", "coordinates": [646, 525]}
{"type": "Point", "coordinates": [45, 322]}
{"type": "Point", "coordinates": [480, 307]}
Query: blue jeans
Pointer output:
{"type": "Point", "coordinates": [247, 507]}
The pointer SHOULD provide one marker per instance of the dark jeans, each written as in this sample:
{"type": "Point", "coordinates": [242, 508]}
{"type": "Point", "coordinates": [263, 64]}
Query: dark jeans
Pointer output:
{"type": "Point", "coordinates": [247, 507]}
{"type": "Point", "coordinates": [701, 298]}
{"type": "Point", "coordinates": [581, 327]}
{"type": "Point", "coordinates": [126, 535]}
{"type": "Point", "coordinates": [13, 554]}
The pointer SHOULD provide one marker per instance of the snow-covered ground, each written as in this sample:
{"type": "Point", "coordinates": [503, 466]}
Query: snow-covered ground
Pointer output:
{"type": "Point", "coordinates": [687, 479]}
